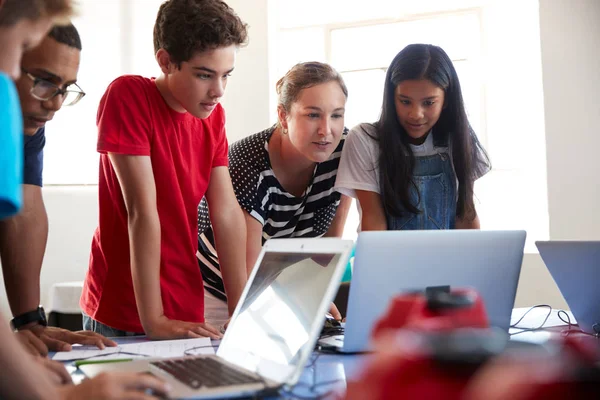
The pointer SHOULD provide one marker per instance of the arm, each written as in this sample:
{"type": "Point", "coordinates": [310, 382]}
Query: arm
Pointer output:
{"type": "Point", "coordinates": [339, 221]}
{"type": "Point", "coordinates": [465, 223]}
{"type": "Point", "coordinates": [373, 216]}
{"type": "Point", "coordinates": [136, 180]}
{"type": "Point", "coordinates": [22, 246]}
{"type": "Point", "coordinates": [21, 377]}
{"type": "Point", "coordinates": [254, 230]}
{"type": "Point", "coordinates": [229, 227]}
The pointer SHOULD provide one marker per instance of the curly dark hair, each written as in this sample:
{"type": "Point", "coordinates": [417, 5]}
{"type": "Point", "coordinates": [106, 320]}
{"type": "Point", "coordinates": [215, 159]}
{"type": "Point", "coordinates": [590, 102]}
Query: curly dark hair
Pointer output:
{"type": "Point", "coordinates": [184, 27]}
{"type": "Point", "coordinates": [66, 34]}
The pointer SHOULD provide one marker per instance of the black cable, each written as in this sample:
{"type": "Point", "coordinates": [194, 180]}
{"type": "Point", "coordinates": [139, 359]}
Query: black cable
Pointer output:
{"type": "Point", "coordinates": [187, 352]}
{"type": "Point", "coordinates": [515, 325]}
{"type": "Point", "coordinates": [312, 388]}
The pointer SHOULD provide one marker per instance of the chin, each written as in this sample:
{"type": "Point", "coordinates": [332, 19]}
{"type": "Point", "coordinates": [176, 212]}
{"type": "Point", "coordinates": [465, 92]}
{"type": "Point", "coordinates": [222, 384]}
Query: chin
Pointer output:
{"type": "Point", "coordinates": [201, 114]}
{"type": "Point", "coordinates": [30, 131]}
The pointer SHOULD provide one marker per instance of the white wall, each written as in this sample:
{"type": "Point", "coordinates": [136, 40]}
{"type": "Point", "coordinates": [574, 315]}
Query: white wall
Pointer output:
{"type": "Point", "coordinates": [570, 41]}
{"type": "Point", "coordinates": [570, 32]}
{"type": "Point", "coordinates": [570, 62]}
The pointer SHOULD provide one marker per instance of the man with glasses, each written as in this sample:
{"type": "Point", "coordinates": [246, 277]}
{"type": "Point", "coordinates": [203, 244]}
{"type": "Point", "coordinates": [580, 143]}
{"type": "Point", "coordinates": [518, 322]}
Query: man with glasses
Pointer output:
{"type": "Point", "coordinates": [47, 82]}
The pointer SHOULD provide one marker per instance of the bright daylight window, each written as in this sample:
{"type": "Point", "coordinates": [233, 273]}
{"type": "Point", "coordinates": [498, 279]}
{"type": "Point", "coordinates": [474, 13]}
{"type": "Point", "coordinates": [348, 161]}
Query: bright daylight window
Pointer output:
{"type": "Point", "coordinates": [499, 69]}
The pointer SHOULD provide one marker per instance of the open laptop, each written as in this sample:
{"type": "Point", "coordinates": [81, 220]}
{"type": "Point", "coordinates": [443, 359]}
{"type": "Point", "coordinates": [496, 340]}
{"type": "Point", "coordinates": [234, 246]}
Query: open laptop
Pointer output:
{"type": "Point", "coordinates": [575, 267]}
{"type": "Point", "coordinates": [273, 330]}
{"type": "Point", "coordinates": [388, 263]}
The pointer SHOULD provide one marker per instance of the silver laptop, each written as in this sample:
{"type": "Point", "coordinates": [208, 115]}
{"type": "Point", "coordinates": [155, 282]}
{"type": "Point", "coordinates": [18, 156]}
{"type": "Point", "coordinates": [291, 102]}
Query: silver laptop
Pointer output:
{"type": "Point", "coordinates": [388, 263]}
{"type": "Point", "coordinates": [273, 330]}
{"type": "Point", "coordinates": [575, 267]}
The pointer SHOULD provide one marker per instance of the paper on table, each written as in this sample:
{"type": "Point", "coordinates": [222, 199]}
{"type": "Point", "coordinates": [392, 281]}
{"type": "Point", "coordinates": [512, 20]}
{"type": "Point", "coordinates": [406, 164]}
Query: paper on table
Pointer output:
{"type": "Point", "coordinates": [155, 349]}
{"type": "Point", "coordinates": [535, 318]}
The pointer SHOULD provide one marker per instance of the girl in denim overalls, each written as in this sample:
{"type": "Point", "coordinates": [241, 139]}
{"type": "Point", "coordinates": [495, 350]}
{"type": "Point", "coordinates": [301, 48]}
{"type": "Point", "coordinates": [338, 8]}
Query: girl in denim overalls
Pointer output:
{"type": "Point", "coordinates": [416, 166]}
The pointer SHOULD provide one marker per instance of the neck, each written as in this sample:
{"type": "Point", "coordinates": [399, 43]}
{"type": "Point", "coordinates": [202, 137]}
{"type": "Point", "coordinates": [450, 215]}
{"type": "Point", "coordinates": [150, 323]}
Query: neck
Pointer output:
{"type": "Point", "coordinates": [165, 92]}
{"type": "Point", "coordinates": [292, 161]}
{"type": "Point", "coordinates": [418, 141]}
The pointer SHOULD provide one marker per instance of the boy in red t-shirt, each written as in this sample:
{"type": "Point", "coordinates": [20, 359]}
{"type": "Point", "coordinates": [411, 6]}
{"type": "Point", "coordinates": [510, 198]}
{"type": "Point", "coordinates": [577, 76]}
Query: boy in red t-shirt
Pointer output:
{"type": "Point", "coordinates": [163, 147]}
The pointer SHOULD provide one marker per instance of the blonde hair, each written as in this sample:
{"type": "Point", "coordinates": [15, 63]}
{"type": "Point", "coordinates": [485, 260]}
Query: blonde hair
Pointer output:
{"type": "Point", "coordinates": [302, 76]}
{"type": "Point", "coordinates": [60, 11]}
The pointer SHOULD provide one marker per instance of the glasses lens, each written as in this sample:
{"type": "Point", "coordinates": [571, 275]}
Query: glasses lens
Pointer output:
{"type": "Point", "coordinates": [72, 97]}
{"type": "Point", "coordinates": [43, 90]}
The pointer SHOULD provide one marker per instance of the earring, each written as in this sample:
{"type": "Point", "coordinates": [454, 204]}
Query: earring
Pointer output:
{"type": "Point", "coordinates": [284, 131]}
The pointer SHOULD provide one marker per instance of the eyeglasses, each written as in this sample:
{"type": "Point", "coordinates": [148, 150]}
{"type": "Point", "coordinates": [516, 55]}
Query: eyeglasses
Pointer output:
{"type": "Point", "coordinates": [44, 90]}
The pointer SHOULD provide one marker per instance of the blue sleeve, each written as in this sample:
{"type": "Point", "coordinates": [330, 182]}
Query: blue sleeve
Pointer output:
{"type": "Point", "coordinates": [11, 148]}
{"type": "Point", "coordinates": [34, 157]}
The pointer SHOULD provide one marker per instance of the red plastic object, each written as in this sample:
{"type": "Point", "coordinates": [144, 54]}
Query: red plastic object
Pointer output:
{"type": "Point", "coordinates": [437, 311]}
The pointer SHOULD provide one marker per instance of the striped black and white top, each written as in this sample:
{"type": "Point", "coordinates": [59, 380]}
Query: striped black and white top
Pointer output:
{"type": "Point", "coordinates": [260, 194]}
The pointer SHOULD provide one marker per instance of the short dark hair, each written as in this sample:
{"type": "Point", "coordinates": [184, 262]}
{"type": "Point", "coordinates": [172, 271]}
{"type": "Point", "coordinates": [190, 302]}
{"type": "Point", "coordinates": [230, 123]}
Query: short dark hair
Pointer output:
{"type": "Point", "coordinates": [15, 10]}
{"type": "Point", "coordinates": [184, 27]}
{"type": "Point", "coordinates": [66, 34]}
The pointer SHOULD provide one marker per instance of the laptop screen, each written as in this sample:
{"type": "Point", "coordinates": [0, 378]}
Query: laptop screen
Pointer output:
{"type": "Point", "coordinates": [281, 308]}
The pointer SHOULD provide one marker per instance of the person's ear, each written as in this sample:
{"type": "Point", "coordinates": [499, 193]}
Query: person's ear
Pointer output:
{"type": "Point", "coordinates": [164, 61]}
{"type": "Point", "coordinates": [282, 117]}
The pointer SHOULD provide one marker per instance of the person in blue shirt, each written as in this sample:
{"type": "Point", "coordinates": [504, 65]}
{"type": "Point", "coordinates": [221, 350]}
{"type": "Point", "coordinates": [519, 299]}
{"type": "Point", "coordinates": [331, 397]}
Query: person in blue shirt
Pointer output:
{"type": "Point", "coordinates": [48, 81]}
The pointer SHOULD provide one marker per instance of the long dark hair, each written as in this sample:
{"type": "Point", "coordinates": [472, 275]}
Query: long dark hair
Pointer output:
{"type": "Point", "coordinates": [396, 160]}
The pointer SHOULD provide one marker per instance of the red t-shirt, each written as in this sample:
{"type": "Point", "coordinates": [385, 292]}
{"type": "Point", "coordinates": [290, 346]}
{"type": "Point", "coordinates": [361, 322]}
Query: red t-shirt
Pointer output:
{"type": "Point", "coordinates": [134, 119]}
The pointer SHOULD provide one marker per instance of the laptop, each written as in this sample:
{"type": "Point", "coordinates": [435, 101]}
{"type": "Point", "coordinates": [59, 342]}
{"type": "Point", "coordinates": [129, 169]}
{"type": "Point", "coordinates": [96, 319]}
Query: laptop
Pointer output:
{"type": "Point", "coordinates": [388, 263]}
{"type": "Point", "coordinates": [273, 330]}
{"type": "Point", "coordinates": [575, 267]}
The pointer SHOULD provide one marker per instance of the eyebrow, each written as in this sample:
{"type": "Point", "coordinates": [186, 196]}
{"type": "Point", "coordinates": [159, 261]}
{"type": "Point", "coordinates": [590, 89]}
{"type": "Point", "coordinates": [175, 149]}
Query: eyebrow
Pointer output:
{"type": "Point", "coordinates": [424, 98]}
{"type": "Point", "coordinates": [50, 76]}
{"type": "Point", "coordinates": [212, 71]}
{"type": "Point", "coordinates": [319, 109]}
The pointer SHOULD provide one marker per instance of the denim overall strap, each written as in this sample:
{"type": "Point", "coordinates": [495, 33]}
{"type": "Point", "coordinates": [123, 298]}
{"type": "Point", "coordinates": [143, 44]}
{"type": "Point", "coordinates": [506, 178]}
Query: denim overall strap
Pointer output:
{"type": "Point", "coordinates": [436, 182]}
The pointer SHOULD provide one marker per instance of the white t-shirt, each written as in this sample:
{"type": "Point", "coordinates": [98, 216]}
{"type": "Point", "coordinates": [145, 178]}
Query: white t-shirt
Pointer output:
{"type": "Point", "coordinates": [359, 165]}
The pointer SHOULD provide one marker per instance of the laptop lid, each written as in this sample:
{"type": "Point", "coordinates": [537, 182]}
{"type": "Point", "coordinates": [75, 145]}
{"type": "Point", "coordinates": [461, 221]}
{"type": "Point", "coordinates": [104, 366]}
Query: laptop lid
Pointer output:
{"type": "Point", "coordinates": [282, 309]}
{"type": "Point", "coordinates": [575, 267]}
{"type": "Point", "coordinates": [390, 262]}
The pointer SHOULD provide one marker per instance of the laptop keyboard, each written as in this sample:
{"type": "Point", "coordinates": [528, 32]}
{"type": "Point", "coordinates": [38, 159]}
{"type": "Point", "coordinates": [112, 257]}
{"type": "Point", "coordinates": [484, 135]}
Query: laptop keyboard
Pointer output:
{"type": "Point", "coordinates": [204, 371]}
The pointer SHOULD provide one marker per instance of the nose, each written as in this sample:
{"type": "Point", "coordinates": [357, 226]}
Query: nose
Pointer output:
{"type": "Point", "coordinates": [218, 89]}
{"type": "Point", "coordinates": [15, 74]}
{"type": "Point", "coordinates": [416, 113]}
{"type": "Point", "coordinates": [55, 103]}
{"type": "Point", "coordinates": [324, 127]}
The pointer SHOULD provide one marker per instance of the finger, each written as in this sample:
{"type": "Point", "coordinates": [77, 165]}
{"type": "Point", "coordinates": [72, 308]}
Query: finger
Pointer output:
{"type": "Point", "coordinates": [91, 340]}
{"type": "Point", "coordinates": [32, 344]}
{"type": "Point", "coordinates": [30, 348]}
{"type": "Point", "coordinates": [104, 339]}
{"type": "Point", "coordinates": [211, 328]}
{"type": "Point", "coordinates": [131, 395]}
{"type": "Point", "coordinates": [207, 331]}
{"type": "Point", "coordinates": [335, 313]}
{"type": "Point", "coordinates": [191, 334]}
{"type": "Point", "coordinates": [59, 370]}
{"type": "Point", "coordinates": [55, 344]}
{"type": "Point", "coordinates": [144, 382]}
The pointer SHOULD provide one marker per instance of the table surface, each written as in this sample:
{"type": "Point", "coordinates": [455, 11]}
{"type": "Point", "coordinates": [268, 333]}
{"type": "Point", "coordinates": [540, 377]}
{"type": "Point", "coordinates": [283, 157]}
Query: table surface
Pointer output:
{"type": "Point", "coordinates": [326, 372]}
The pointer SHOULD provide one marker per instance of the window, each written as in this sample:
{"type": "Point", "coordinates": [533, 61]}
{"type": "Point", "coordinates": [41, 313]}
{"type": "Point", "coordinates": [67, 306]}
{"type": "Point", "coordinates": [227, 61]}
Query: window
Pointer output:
{"type": "Point", "coordinates": [499, 70]}
{"type": "Point", "coordinates": [116, 38]}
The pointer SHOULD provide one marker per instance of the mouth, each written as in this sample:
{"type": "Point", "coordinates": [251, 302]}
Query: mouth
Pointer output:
{"type": "Point", "coordinates": [208, 106]}
{"type": "Point", "coordinates": [321, 144]}
{"type": "Point", "coordinates": [38, 122]}
{"type": "Point", "coordinates": [415, 126]}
